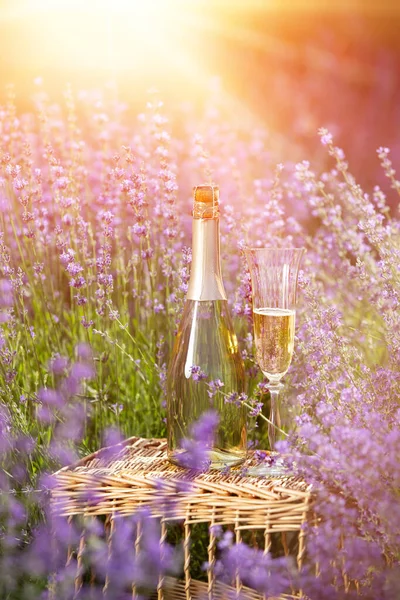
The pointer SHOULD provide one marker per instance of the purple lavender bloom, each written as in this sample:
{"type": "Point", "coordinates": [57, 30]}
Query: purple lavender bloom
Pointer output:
{"type": "Point", "coordinates": [71, 386]}
{"type": "Point", "coordinates": [232, 398]}
{"type": "Point", "coordinates": [84, 351]}
{"type": "Point", "coordinates": [50, 398]}
{"type": "Point", "coordinates": [45, 415]}
{"type": "Point", "coordinates": [256, 409]}
{"type": "Point", "coordinates": [6, 293]}
{"type": "Point", "coordinates": [87, 323]}
{"type": "Point", "coordinates": [64, 455]}
{"type": "Point", "coordinates": [216, 530]}
{"type": "Point", "coordinates": [204, 429]}
{"type": "Point", "coordinates": [226, 540]}
{"type": "Point", "coordinates": [112, 442]}
{"type": "Point", "coordinates": [74, 268]}
{"type": "Point", "coordinates": [197, 373]}
{"type": "Point", "coordinates": [195, 455]}
{"type": "Point", "coordinates": [77, 282]}
{"type": "Point", "coordinates": [259, 571]}
{"type": "Point", "coordinates": [81, 370]}
{"type": "Point", "coordinates": [139, 230]}
{"type": "Point", "coordinates": [58, 365]}
{"type": "Point", "coordinates": [216, 385]}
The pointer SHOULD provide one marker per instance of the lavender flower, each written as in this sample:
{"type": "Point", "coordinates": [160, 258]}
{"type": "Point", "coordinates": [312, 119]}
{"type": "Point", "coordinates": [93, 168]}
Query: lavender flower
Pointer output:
{"type": "Point", "coordinates": [197, 373]}
{"type": "Point", "coordinates": [195, 455]}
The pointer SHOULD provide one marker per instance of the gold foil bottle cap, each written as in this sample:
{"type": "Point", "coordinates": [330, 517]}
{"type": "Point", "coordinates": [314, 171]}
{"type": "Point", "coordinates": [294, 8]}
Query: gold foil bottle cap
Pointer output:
{"type": "Point", "coordinates": [206, 202]}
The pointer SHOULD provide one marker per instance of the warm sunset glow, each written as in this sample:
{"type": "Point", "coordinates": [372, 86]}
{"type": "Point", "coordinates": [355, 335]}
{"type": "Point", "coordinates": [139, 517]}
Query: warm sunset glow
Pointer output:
{"type": "Point", "coordinates": [143, 41]}
{"type": "Point", "coordinates": [173, 45]}
{"type": "Point", "coordinates": [178, 47]}
{"type": "Point", "coordinates": [111, 34]}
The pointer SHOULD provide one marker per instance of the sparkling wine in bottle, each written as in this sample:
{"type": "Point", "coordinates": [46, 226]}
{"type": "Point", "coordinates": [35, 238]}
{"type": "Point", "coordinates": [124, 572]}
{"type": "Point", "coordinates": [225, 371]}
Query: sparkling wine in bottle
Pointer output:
{"type": "Point", "coordinates": [206, 340]}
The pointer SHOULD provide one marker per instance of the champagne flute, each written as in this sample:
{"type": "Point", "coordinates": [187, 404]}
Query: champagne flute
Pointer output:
{"type": "Point", "coordinates": [274, 273]}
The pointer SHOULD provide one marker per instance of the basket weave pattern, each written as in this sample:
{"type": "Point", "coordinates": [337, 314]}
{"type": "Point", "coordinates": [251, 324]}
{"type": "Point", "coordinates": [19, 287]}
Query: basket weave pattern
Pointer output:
{"type": "Point", "coordinates": [116, 481]}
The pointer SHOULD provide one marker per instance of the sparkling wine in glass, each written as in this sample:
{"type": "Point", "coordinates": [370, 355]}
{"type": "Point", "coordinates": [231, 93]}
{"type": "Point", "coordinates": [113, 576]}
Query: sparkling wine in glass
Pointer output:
{"type": "Point", "coordinates": [274, 273]}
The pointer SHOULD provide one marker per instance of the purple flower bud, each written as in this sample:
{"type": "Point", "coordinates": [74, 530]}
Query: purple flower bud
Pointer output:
{"type": "Point", "coordinates": [216, 530]}
{"type": "Point", "coordinates": [50, 397]}
{"type": "Point", "coordinates": [139, 230]}
{"type": "Point", "coordinates": [87, 324]}
{"type": "Point", "coordinates": [45, 415]}
{"type": "Point", "coordinates": [84, 351]}
{"type": "Point", "coordinates": [6, 293]}
{"type": "Point", "coordinates": [226, 540]}
{"type": "Point", "coordinates": [197, 374]}
{"type": "Point", "coordinates": [74, 268]}
{"type": "Point", "coordinates": [82, 370]}
{"type": "Point", "coordinates": [77, 282]}
{"type": "Point", "coordinates": [204, 429]}
{"type": "Point", "coordinates": [158, 307]}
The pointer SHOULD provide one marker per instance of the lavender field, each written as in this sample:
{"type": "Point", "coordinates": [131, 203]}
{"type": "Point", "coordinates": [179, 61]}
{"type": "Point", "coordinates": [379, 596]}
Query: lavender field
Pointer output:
{"type": "Point", "coordinates": [95, 257]}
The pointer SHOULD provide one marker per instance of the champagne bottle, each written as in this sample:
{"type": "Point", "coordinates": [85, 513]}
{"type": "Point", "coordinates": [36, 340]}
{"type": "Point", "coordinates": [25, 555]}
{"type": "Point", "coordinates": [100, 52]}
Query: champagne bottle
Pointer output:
{"type": "Point", "coordinates": [206, 341]}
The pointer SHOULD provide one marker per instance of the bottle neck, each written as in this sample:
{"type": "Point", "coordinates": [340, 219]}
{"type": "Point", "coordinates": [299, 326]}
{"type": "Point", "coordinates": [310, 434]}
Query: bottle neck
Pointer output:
{"type": "Point", "coordinates": [205, 275]}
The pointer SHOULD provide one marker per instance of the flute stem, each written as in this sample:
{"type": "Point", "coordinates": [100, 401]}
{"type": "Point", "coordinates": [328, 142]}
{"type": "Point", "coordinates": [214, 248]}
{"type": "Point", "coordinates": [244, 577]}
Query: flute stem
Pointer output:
{"type": "Point", "coordinates": [275, 414]}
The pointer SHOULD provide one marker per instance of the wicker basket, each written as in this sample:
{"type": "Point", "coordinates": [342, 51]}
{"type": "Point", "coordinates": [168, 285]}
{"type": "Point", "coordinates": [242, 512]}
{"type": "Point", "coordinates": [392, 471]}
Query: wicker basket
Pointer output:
{"type": "Point", "coordinates": [125, 477]}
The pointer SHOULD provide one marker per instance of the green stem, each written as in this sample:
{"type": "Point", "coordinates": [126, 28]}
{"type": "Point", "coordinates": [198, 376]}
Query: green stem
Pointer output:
{"type": "Point", "coordinates": [266, 419]}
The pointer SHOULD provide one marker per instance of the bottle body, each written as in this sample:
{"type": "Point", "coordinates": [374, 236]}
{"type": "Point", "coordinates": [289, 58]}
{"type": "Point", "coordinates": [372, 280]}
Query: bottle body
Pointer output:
{"type": "Point", "coordinates": [206, 340]}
